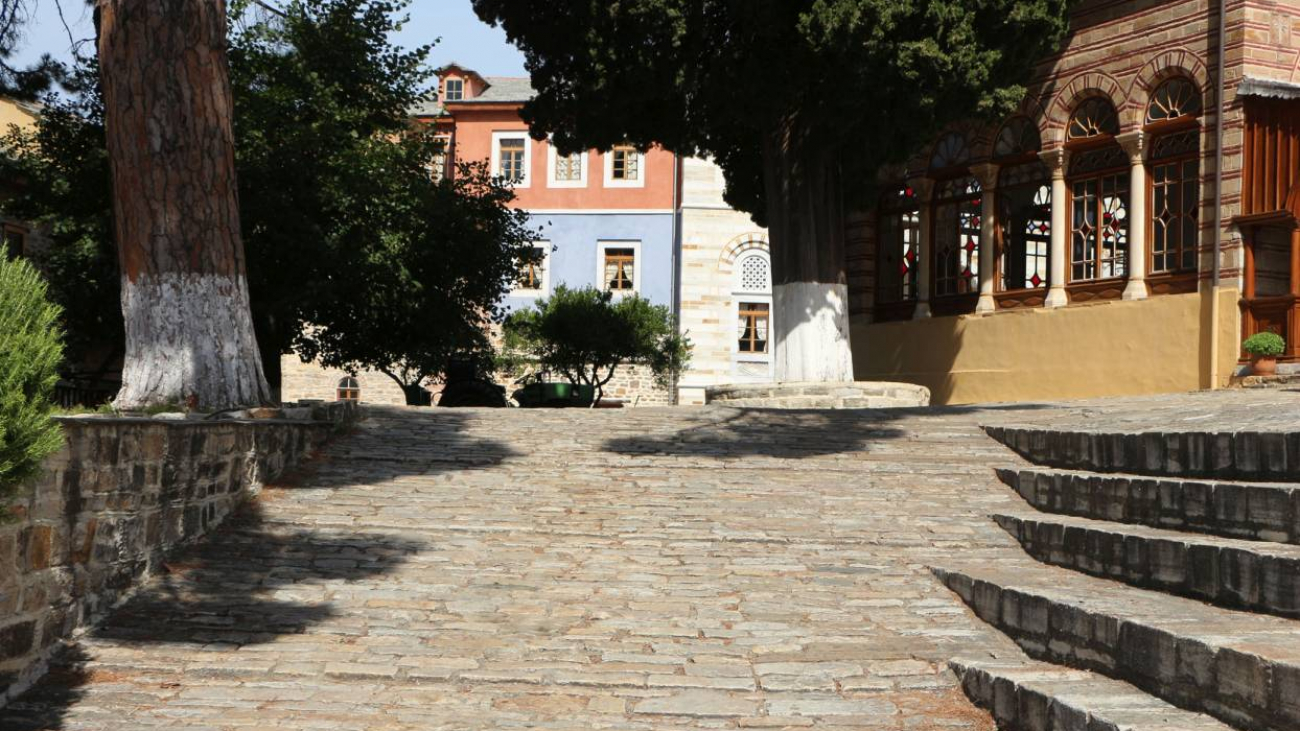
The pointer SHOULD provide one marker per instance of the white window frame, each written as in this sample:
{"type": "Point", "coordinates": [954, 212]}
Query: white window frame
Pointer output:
{"type": "Point", "coordinates": [446, 92]}
{"type": "Point", "coordinates": [552, 160]}
{"type": "Point", "coordinates": [637, 264]}
{"type": "Point", "coordinates": [610, 182]}
{"type": "Point", "coordinates": [740, 294]}
{"type": "Point", "coordinates": [497, 138]}
{"type": "Point", "coordinates": [545, 289]}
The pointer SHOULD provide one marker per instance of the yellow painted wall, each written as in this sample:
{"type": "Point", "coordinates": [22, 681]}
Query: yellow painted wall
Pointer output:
{"type": "Point", "coordinates": [13, 113]}
{"type": "Point", "coordinates": [1159, 345]}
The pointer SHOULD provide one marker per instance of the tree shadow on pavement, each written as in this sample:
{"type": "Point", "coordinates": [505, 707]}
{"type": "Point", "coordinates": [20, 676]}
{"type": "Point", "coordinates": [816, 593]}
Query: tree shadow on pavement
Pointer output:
{"type": "Point", "coordinates": [726, 433]}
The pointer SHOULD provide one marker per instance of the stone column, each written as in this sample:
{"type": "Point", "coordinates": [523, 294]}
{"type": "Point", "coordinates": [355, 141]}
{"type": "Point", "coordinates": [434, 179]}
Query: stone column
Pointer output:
{"type": "Point", "coordinates": [924, 187]}
{"type": "Point", "coordinates": [987, 174]}
{"type": "Point", "coordinates": [1134, 143]}
{"type": "Point", "coordinates": [1057, 161]}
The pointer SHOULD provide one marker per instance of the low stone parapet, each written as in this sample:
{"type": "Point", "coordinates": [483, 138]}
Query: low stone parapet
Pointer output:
{"type": "Point", "coordinates": [120, 495]}
{"type": "Point", "coordinates": [859, 395]}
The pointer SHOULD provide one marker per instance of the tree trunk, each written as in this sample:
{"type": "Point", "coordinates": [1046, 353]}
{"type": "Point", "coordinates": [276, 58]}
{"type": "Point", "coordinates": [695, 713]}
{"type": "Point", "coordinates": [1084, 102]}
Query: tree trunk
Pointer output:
{"type": "Point", "coordinates": [167, 104]}
{"type": "Point", "coordinates": [805, 210]}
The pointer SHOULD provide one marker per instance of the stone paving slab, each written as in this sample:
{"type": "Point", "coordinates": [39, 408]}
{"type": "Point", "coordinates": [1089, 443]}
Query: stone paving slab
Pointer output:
{"type": "Point", "coordinates": [682, 569]}
{"type": "Point", "coordinates": [650, 569]}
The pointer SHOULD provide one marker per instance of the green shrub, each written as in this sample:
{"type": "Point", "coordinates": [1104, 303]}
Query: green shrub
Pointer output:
{"type": "Point", "coordinates": [31, 349]}
{"type": "Point", "coordinates": [584, 335]}
{"type": "Point", "coordinates": [1264, 344]}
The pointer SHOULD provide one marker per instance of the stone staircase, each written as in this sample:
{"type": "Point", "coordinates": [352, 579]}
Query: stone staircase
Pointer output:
{"type": "Point", "coordinates": [1159, 589]}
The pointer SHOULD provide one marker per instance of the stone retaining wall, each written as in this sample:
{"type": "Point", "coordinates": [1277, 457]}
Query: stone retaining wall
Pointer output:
{"type": "Point", "coordinates": [110, 504]}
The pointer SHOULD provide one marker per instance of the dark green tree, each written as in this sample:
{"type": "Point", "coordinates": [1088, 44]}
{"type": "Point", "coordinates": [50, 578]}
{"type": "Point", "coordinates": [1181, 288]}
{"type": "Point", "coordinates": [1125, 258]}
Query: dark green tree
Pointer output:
{"type": "Point", "coordinates": [584, 335]}
{"type": "Point", "coordinates": [334, 186]}
{"type": "Point", "coordinates": [431, 288]}
{"type": "Point", "coordinates": [30, 351]}
{"type": "Point", "coordinates": [801, 102]}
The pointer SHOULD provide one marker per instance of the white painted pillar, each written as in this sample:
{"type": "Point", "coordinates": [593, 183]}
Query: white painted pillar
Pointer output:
{"type": "Point", "coordinates": [1057, 161]}
{"type": "Point", "coordinates": [1134, 144]}
{"type": "Point", "coordinates": [987, 174]}
{"type": "Point", "coordinates": [924, 187]}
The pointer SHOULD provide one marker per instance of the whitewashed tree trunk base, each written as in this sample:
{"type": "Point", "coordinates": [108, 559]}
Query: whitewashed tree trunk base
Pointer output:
{"type": "Point", "coordinates": [190, 342]}
{"type": "Point", "coordinates": [812, 332]}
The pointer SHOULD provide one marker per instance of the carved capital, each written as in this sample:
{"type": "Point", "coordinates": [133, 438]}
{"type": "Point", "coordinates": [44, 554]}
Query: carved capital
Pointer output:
{"type": "Point", "coordinates": [1057, 161]}
{"type": "Point", "coordinates": [1134, 144]}
{"type": "Point", "coordinates": [987, 174]}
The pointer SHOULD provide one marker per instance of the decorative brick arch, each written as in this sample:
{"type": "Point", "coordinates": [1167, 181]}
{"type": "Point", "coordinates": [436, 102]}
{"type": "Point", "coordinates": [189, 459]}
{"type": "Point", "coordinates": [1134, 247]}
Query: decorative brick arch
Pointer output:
{"type": "Point", "coordinates": [1171, 63]}
{"type": "Point", "coordinates": [742, 245]}
{"type": "Point", "coordinates": [1091, 83]}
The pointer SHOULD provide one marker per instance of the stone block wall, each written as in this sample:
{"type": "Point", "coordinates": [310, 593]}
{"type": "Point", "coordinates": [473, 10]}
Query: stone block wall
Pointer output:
{"type": "Point", "coordinates": [109, 505]}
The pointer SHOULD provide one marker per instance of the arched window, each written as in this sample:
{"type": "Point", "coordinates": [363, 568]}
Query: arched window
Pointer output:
{"type": "Point", "coordinates": [1024, 225]}
{"type": "Point", "coordinates": [950, 152]}
{"type": "Point", "coordinates": [753, 298]}
{"type": "Point", "coordinates": [898, 260]}
{"type": "Point", "coordinates": [1099, 195]}
{"type": "Point", "coordinates": [1018, 138]}
{"type": "Point", "coordinates": [1174, 163]}
{"type": "Point", "coordinates": [1024, 205]}
{"type": "Point", "coordinates": [957, 212]}
{"type": "Point", "coordinates": [349, 389]}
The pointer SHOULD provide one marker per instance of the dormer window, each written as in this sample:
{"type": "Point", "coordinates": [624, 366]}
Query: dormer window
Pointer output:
{"type": "Point", "coordinates": [455, 90]}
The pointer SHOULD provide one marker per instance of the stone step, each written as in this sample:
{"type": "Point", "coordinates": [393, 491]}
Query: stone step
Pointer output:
{"type": "Point", "coordinates": [1254, 511]}
{"type": "Point", "coordinates": [1242, 455]}
{"type": "Point", "coordinates": [1241, 668]}
{"type": "Point", "coordinates": [1252, 575]}
{"type": "Point", "coordinates": [1025, 695]}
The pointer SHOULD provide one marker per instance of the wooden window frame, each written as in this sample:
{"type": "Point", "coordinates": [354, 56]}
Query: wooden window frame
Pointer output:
{"type": "Point", "coordinates": [460, 93]}
{"type": "Point", "coordinates": [959, 303]}
{"type": "Point", "coordinates": [750, 312]}
{"type": "Point", "coordinates": [348, 389]}
{"type": "Point", "coordinates": [1183, 279]}
{"type": "Point", "coordinates": [1017, 297]}
{"type": "Point", "coordinates": [499, 141]}
{"type": "Point", "coordinates": [538, 271]}
{"type": "Point", "coordinates": [604, 259]}
{"type": "Point", "coordinates": [903, 308]}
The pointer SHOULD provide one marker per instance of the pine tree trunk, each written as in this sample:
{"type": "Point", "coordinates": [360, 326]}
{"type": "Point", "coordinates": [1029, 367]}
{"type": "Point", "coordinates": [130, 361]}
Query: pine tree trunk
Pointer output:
{"type": "Point", "coordinates": [805, 206]}
{"type": "Point", "coordinates": [167, 101]}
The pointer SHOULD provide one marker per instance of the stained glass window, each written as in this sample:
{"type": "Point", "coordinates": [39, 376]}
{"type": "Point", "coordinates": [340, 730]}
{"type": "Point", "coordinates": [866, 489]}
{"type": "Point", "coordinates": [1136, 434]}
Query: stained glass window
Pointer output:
{"type": "Point", "coordinates": [753, 323]}
{"type": "Point", "coordinates": [1099, 229]}
{"type": "Point", "coordinates": [1018, 137]}
{"type": "Point", "coordinates": [900, 242]}
{"type": "Point", "coordinates": [1025, 218]}
{"type": "Point", "coordinates": [950, 152]}
{"type": "Point", "coordinates": [1093, 118]}
{"type": "Point", "coordinates": [958, 211]}
{"type": "Point", "coordinates": [1175, 201]}
{"type": "Point", "coordinates": [1177, 97]}
{"type": "Point", "coordinates": [620, 270]}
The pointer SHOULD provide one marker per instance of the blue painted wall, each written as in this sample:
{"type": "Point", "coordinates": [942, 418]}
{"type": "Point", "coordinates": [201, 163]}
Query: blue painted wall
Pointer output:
{"type": "Point", "coordinates": [575, 239]}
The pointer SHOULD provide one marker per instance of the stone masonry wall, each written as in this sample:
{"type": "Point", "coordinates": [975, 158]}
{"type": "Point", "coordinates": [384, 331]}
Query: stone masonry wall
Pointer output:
{"type": "Point", "coordinates": [120, 494]}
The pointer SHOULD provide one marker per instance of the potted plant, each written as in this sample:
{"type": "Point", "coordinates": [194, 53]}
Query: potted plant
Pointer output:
{"type": "Point", "coordinates": [1264, 348]}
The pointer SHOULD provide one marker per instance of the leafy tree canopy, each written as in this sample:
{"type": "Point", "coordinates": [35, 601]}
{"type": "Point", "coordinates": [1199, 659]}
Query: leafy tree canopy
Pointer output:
{"type": "Point", "coordinates": [584, 335]}
{"type": "Point", "coordinates": [343, 225]}
{"type": "Point", "coordinates": [872, 79]}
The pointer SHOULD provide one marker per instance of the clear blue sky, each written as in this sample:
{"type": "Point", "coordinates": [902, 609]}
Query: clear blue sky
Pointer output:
{"type": "Point", "coordinates": [465, 39]}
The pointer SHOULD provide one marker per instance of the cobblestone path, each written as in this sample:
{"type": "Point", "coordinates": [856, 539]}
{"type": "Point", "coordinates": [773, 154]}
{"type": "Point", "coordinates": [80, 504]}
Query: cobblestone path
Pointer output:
{"type": "Point", "coordinates": [644, 569]}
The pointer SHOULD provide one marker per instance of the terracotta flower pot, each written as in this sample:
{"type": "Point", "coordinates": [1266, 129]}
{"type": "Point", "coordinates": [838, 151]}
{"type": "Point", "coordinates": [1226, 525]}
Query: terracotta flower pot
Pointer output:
{"type": "Point", "coordinates": [1263, 365]}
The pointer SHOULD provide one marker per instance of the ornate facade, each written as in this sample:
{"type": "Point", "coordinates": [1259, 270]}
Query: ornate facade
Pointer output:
{"type": "Point", "coordinates": [1082, 246]}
